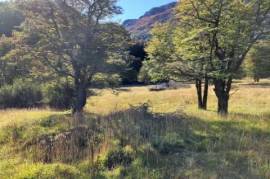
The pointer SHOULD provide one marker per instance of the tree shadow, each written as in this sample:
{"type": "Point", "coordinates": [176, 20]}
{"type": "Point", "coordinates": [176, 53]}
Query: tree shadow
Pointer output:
{"type": "Point", "coordinates": [221, 148]}
{"type": "Point", "coordinates": [171, 144]}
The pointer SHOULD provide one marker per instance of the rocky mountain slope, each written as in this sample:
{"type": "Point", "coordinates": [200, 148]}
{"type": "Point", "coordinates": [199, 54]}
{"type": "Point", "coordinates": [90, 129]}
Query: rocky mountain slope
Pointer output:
{"type": "Point", "coordinates": [139, 28]}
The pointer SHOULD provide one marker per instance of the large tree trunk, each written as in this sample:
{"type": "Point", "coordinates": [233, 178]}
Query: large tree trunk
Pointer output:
{"type": "Point", "coordinates": [222, 91]}
{"type": "Point", "coordinates": [79, 103]}
{"type": "Point", "coordinates": [202, 95]}
{"type": "Point", "coordinates": [80, 98]}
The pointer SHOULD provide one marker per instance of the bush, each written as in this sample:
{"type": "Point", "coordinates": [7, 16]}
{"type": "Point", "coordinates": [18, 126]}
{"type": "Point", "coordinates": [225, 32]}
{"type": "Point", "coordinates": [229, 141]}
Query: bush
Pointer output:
{"type": "Point", "coordinates": [119, 157]}
{"type": "Point", "coordinates": [59, 95]}
{"type": "Point", "coordinates": [20, 95]}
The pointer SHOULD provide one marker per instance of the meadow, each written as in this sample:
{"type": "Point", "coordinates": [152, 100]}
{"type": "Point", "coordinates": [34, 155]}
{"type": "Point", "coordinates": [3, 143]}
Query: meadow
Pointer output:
{"type": "Point", "coordinates": [132, 132]}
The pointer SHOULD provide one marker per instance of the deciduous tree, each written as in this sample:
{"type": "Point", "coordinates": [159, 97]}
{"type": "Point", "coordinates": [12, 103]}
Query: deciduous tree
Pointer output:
{"type": "Point", "coordinates": [212, 38]}
{"type": "Point", "coordinates": [232, 27]}
{"type": "Point", "coordinates": [75, 39]}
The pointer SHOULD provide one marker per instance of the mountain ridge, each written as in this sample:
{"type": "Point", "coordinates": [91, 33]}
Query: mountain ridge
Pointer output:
{"type": "Point", "coordinates": [140, 28]}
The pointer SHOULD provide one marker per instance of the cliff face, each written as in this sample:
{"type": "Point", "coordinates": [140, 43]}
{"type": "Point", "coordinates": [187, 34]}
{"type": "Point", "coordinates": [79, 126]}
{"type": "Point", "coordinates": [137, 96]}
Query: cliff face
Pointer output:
{"type": "Point", "coordinates": [139, 28]}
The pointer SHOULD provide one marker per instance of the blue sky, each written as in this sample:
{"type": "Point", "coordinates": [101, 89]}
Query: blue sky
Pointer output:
{"type": "Point", "coordinates": [136, 8]}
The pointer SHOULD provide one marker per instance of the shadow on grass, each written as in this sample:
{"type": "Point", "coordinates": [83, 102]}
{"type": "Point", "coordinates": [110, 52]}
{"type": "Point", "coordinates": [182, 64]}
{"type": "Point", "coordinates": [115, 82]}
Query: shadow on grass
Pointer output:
{"type": "Point", "coordinates": [169, 145]}
{"type": "Point", "coordinates": [175, 145]}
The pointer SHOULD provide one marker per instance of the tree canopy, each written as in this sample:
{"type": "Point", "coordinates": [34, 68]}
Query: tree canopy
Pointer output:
{"type": "Point", "coordinates": [209, 38]}
{"type": "Point", "coordinates": [74, 38]}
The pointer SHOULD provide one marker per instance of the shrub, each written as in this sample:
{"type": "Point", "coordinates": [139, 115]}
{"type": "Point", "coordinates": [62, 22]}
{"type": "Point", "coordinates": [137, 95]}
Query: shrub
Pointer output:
{"type": "Point", "coordinates": [21, 94]}
{"type": "Point", "coordinates": [119, 157]}
{"type": "Point", "coordinates": [59, 95]}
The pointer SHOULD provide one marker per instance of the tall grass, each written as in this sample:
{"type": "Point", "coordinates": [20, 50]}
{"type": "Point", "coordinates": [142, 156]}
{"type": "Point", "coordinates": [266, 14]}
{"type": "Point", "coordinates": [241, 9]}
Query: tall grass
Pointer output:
{"type": "Point", "coordinates": [135, 133]}
{"type": "Point", "coordinates": [20, 116]}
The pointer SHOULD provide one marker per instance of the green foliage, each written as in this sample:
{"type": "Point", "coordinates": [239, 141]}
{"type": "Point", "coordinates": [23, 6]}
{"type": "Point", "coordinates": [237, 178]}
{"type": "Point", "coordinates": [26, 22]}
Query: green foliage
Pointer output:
{"type": "Point", "coordinates": [59, 95]}
{"type": "Point", "coordinates": [11, 68]}
{"type": "Point", "coordinates": [21, 94]}
{"type": "Point", "coordinates": [192, 45]}
{"type": "Point", "coordinates": [119, 157]}
{"type": "Point", "coordinates": [220, 32]}
{"type": "Point", "coordinates": [75, 47]}
{"type": "Point", "coordinates": [102, 80]}
{"type": "Point", "coordinates": [159, 50]}
{"type": "Point", "coordinates": [258, 61]}
{"type": "Point", "coordinates": [207, 39]}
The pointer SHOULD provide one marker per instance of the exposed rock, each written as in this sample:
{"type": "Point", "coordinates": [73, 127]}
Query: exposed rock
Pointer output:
{"type": "Point", "coordinates": [159, 87]}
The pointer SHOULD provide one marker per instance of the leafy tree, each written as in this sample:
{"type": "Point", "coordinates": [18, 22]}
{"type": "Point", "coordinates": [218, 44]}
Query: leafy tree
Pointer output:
{"type": "Point", "coordinates": [75, 39]}
{"type": "Point", "coordinates": [173, 56]}
{"type": "Point", "coordinates": [233, 27]}
{"type": "Point", "coordinates": [11, 66]}
{"type": "Point", "coordinates": [258, 61]}
{"type": "Point", "coordinates": [212, 38]}
{"type": "Point", "coordinates": [159, 50]}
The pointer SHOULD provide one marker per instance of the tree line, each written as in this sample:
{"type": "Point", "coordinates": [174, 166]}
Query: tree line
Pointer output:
{"type": "Point", "coordinates": [74, 43]}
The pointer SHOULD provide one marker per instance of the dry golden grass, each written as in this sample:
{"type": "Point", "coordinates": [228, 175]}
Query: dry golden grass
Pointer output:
{"type": "Point", "coordinates": [247, 101]}
{"type": "Point", "coordinates": [19, 116]}
{"type": "Point", "coordinates": [233, 147]}
{"type": "Point", "coordinates": [162, 102]}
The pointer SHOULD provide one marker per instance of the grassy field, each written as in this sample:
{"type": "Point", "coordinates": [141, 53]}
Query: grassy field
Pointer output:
{"type": "Point", "coordinates": [136, 133]}
{"type": "Point", "coordinates": [248, 99]}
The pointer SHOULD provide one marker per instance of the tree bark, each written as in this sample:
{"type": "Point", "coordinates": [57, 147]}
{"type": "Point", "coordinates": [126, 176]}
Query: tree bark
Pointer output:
{"type": "Point", "coordinates": [80, 98]}
{"type": "Point", "coordinates": [222, 91]}
{"type": "Point", "coordinates": [199, 93]}
{"type": "Point", "coordinates": [202, 95]}
{"type": "Point", "coordinates": [205, 93]}
{"type": "Point", "coordinates": [256, 79]}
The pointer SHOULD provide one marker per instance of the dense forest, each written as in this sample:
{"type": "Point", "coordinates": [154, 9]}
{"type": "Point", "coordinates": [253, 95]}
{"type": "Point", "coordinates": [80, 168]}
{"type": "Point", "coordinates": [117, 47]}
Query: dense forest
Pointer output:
{"type": "Point", "coordinates": [82, 97]}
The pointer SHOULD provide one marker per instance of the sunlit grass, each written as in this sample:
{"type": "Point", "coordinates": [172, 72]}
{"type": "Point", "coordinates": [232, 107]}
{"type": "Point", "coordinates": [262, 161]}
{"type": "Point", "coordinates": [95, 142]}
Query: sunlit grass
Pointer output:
{"type": "Point", "coordinates": [240, 140]}
{"type": "Point", "coordinates": [19, 116]}
{"type": "Point", "coordinates": [248, 102]}
{"type": "Point", "coordinates": [161, 102]}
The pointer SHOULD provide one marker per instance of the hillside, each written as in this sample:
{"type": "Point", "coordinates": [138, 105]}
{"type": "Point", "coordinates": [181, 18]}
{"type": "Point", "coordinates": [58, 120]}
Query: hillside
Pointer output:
{"type": "Point", "coordinates": [139, 28]}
